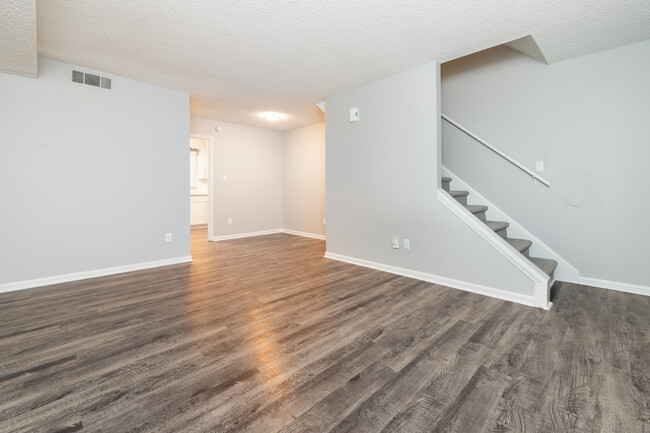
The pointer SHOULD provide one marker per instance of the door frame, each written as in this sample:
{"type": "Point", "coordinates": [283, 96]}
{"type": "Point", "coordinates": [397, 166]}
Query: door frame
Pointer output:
{"type": "Point", "coordinates": [210, 140]}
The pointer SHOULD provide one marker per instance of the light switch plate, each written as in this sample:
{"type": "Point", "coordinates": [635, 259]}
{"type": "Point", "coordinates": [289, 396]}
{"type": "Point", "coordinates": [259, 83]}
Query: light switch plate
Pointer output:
{"type": "Point", "coordinates": [354, 114]}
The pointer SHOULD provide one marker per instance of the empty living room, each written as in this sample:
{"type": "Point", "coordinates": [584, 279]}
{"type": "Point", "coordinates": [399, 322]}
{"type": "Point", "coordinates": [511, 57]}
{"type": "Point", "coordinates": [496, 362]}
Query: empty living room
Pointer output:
{"type": "Point", "coordinates": [371, 216]}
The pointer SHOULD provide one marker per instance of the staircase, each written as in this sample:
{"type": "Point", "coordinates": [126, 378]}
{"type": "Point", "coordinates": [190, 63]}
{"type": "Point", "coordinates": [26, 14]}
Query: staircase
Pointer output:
{"type": "Point", "coordinates": [501, 228]}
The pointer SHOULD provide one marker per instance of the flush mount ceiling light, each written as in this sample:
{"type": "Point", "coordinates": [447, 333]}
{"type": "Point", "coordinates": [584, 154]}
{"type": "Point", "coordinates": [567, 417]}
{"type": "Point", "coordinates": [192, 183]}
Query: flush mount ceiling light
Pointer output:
{"type": "Point", "coordinates": [273, 117]}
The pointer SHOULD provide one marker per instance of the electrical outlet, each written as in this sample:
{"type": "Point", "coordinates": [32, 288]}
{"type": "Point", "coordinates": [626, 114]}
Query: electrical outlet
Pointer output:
{"type": "Point", "coordinates": [323, 221]}
{"type": "Point", "coordinates": [407, 244]}
{"type": "Point", "coordinates": [168, 237]}
{"type": "Point", "coordinates": [539, 165]}
{"type": "Point", "coordinates": [395, 243]}
{"type": "Point", "coordinates": [229, 220]}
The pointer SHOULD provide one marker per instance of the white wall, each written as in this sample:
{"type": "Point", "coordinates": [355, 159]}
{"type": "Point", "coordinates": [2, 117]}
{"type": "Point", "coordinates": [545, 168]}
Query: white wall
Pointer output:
{"type": "Point", "coordinates": [90, 179]}
{"type": "Point", "coordinates": [382, 174]}
{"type": "Point", "coordinates": [587, 118]}
{"type": "Point", "coordinates": [251, 158]}
{"type": "Point", "coordinates": [304, 179]}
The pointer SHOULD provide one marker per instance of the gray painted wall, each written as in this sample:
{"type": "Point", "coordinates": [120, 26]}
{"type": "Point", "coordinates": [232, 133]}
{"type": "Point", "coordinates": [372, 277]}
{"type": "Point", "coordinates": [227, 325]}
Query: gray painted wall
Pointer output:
{"type": "Point", "coordinates": [304, 179]}
{"type": "Point", "coordinates": [251, 158]}
{"type": "Point", "coordinates": [90, 179]}
{"type": "Point", "coordinates": [382, 174]}
{"type": "Point", "coordinates": [587, 118]}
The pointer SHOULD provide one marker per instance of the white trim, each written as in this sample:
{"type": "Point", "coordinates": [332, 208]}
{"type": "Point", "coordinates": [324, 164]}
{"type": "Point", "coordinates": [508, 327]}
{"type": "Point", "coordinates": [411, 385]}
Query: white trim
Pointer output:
{"type": "Point", "coordinates": [245, 235]}
{"type": "Point", "coordinates": [616, 285]}
{"type": "Point", "coordinates": [266, 232]}
{"type": "Point", "coordinates": [495, 241]}
{"type": "Point", "coordinates": [565, 271]}
{"type": "Point", "coordinates": [65, 278]}
{"type": "Point", "coordinates": [539, 278]}
{"type": "Point", "coordinates": [304, 234]}
{"type": "Point", "coordinates": [437, 279]}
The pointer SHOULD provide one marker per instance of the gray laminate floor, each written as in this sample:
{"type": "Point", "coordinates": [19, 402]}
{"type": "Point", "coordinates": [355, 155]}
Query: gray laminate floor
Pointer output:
{"type": "Point", "coordinates": [264, 335]}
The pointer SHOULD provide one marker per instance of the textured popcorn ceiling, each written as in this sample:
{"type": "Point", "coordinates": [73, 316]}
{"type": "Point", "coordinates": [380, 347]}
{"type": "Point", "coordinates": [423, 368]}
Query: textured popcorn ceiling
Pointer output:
{"type": "Point", "coordinates": [18, 37]}
{"type": "Point", "coordinates": [238, 58]}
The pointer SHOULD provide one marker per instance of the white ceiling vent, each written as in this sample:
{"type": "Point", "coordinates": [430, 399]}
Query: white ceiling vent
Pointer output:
{"type": "Point", "coordinates": [90, 79]}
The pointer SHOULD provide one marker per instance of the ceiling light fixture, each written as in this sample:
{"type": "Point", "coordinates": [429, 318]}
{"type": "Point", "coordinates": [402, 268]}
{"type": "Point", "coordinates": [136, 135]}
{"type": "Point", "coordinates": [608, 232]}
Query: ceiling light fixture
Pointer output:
{"type": "Point", "coordinates": [273, 117]}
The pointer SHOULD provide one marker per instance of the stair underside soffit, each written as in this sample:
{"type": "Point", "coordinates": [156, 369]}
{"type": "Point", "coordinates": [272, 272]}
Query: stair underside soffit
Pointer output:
{"type": "Point", "coordinates": [527, 45]}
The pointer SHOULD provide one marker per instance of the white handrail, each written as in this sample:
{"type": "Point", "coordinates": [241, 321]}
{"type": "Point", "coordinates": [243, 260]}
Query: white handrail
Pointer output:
{"type": "Point", "coordinates": [504, 155]}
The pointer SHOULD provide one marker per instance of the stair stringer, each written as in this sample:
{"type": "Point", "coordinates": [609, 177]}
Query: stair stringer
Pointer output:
{"type": "Point", "coordinates": [539, 278]}
{"type": "Point", "coordinates": [565, 271]}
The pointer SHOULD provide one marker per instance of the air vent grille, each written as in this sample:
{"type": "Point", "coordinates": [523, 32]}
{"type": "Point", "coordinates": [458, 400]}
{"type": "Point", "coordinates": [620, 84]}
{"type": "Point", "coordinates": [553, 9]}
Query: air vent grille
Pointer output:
{"type": "Point", "coordinates": [106, 83]}
{"type": "Point", "coordinates": [93, 80]}
{"type": "Point", "coordinates": [77, 77]}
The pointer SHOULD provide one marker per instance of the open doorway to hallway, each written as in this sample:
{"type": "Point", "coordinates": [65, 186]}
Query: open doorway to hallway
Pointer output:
{"type": "Point", "coordinates": [200, 196]}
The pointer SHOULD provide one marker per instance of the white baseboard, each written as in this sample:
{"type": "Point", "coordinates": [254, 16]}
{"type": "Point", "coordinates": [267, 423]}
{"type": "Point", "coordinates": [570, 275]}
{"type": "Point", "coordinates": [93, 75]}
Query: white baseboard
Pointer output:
{"type": "Point", "coordinates": [245, 235]}
{"type": "Point", "coordinates": [266, 232]}
{"type": "Point", "coordinates": [65, 278]}
{"type": "Point", "coordinates": [437, 279]}
{"type": "Point", "coordinates": [304, 234]}
{"type": "Point", "coordinates": [615, 285]}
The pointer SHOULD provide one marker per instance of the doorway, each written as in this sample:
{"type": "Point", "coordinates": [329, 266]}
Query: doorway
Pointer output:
{"type": "Point", "coordinates": [200, 189]}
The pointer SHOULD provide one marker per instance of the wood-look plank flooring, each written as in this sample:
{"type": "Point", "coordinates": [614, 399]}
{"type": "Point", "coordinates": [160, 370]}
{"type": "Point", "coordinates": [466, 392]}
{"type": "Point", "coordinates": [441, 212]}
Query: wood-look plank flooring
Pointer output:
{"type": "Point", "coordinates": [265, 335]}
